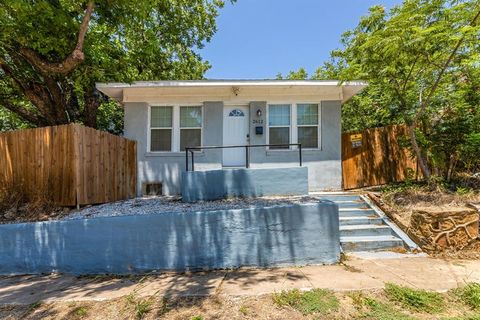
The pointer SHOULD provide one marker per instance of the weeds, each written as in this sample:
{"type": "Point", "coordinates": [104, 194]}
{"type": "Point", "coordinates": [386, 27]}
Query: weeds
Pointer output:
{"type": "Point", "coordinates": [243, 310]}
{"type": "Point", "coordinates": [382, 311]}
{"type": "Point", "coordinates": [415, 300]}
{"type": "Point", "coordinates": [34, 306]}
{"type": "Point", "coordinates": [141, 307]}
{"type": "Point", "coordinates": [470, 295]}
{"type": "Point", "coordinates": [19, 204]}
{"type": "Point", "coordinates": [80, 311]}
{"type": "Point", "coordinates": [314, 301]}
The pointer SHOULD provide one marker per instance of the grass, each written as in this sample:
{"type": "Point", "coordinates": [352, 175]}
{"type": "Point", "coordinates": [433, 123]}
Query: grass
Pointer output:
{"type": "Point", "coordinates": [243, 310]}
{"type": "Point", "coordinates": [381, 311]}
{"type": "Point", "coordinates": [470, 295]}
{"type": "Point", "coordinates": [314, 301]}
{"type": "Point", "coordinates": [197, 318]}
{"type": "Point", "coordinates": [141, 307]}
{"type": "Point", "coordinates": [415, 300]}
{"type": "Point", "coordinates": [80, 311]}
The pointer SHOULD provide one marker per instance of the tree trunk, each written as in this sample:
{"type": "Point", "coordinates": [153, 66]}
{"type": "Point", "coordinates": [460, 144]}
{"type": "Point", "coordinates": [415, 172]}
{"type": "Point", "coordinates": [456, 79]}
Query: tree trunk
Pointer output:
{"type": "Point", "coordinates": [91, 109]}
{"type": "Point", "coordinates": [422, 163]}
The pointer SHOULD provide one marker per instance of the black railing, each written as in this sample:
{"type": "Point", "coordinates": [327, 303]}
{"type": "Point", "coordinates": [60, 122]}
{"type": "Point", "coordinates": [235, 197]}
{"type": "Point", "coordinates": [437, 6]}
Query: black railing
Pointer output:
{"type": "Point", "coordinates": [247, 152]}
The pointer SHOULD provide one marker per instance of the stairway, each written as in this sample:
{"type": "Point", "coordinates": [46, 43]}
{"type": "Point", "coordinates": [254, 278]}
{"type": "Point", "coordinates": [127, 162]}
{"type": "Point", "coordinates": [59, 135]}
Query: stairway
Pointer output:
{"type": "Point", "coordinates": [364, 227]}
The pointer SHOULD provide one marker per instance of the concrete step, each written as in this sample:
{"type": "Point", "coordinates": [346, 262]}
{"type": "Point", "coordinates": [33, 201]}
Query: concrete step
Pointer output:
{"type": "Point", "coordinates": [344, 212]}
{"type": "Point", "coordinates": [352, 204]}
{"type": "Point", "coordinates": [370, 243]}
{"type": "Point", "coordinates": [339, 197]}
{"type": "Point", "coordinates": [359, 220]}
{"type": "Point", "coordinates": [357, 230]}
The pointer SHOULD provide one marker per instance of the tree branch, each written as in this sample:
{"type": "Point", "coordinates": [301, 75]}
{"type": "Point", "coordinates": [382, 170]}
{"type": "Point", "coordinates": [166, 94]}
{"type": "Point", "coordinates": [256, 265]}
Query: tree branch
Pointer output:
{"type": "Point", "coordinates": [72, 60]}
{"type": "Point", "coordinates": [31, 92]}
{"type": "Point", "coordinates": [424, 104]}
{"type": "Point", "coordinates": [24, 113]}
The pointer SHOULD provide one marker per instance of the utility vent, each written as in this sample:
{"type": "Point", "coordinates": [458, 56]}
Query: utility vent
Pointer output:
{"type": "Point", "coordinates": [152, 189]}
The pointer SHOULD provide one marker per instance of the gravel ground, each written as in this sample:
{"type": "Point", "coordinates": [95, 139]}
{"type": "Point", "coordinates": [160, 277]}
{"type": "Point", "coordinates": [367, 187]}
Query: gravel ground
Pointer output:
{"type": "Point", "coordinates": [158, 205]}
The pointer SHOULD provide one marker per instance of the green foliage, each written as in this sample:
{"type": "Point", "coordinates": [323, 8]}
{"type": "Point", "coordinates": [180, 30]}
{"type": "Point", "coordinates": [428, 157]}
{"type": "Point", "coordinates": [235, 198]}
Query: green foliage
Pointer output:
{"type": "Point", "coordinates": [416, 300]}
{"type": "Point", "coordinates": [470, 151]}
{"type": "Point", "coordinates": [314, 301]}
{"type": "Point", "coordinates": [80, 311]}
{"type": "Point", "coordinates": [142, 308]}
{"type": "Point", "coordinates": [470, 295]}
{"type": "Point", "coordinates": [422, 66]}
{"type": "Point", "coordinates": [110, 117]}
{"type": "Point", "coordinates": [10, 121]}
{"type": "Point", "coordinates": [197, 318]}
{"type": "Point", "coordinates": [243, 310]}
{"type": "Point", "coordinates": [126, 41]}
{"type": "Point", "coordinates": [382, 311]}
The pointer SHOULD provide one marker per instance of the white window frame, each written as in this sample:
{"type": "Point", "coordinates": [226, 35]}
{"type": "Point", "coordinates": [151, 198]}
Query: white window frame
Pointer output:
{"type": "Point", "coordinates": [290, 138]}
{"type": "Point", "coordinates": [176, 130]}
{"type": "Point", "coordinates": [319, 118]}
{"type": "Point", "coordinates": [293, 123]}
{"type": "Point", "coordinates": [196, 128]}
{"type": "Point", "coordinates": [150, 128]}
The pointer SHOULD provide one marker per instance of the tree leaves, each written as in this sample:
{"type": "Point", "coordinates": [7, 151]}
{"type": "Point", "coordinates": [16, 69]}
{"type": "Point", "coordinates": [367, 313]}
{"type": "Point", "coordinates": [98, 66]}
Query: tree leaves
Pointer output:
{"type": "Point", "coordinates": [125, 41]}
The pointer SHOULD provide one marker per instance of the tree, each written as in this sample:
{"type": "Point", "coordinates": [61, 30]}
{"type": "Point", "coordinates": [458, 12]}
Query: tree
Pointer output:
{"type": "Point", "coordinates": [370, 108]}
{"type": "Point", "coordinates": [415, 54]}
{"type": "Point", "coordinates": [53, 51]}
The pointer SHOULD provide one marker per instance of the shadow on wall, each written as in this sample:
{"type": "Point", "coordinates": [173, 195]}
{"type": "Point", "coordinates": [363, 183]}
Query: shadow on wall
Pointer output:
{"type": "Point", "coordinates": [283, 235]}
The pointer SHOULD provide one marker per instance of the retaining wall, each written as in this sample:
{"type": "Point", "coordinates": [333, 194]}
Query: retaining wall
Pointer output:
{"type": "Point", "coordinates": [219, 184]}
{"type": "Point", "coordinates": [274, 236]}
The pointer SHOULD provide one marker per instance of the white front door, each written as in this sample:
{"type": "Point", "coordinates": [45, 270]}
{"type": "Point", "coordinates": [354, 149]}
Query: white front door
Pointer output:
{"type": "Point", "coordinates": [235, 132]}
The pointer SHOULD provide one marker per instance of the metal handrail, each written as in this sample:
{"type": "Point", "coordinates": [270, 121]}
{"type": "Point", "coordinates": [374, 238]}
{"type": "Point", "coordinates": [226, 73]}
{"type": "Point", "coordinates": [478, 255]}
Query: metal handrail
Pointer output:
{"type": "Point", "coordinates": [247, 149]}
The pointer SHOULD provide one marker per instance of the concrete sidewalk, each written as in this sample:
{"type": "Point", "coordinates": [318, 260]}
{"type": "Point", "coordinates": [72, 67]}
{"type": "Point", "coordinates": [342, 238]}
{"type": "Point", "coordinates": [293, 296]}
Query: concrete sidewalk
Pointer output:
{"type": "Point", "coordinates": [357, 273]}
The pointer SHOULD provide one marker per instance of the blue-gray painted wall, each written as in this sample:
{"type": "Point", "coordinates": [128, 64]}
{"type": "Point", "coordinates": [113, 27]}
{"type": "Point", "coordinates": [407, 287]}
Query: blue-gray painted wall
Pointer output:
{"type": "Point", "coordinates": [325, 170]}
{"type": "Point", "coordinates": [227, 183]}
{"type": "Point", "coordinates": [275, 236]}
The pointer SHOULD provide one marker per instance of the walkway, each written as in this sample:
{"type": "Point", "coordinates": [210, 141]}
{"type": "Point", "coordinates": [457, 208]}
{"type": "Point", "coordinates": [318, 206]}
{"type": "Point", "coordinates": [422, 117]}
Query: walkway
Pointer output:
{"type": "Point", "coordinates": [357, 273]}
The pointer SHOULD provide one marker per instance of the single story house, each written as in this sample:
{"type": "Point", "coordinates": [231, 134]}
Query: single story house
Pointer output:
{"type": "Point", "coordinates": [165, 117]}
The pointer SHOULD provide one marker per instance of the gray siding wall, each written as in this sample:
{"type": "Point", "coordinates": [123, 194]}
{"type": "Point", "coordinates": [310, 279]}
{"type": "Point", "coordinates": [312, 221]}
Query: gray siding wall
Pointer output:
{"type": "Point", "coordinates": [324, 166]}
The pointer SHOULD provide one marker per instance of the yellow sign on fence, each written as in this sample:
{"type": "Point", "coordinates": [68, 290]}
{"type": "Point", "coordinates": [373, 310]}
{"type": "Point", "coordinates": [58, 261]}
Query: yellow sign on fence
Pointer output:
{"type": "Point", "coordinates": [356, 137]}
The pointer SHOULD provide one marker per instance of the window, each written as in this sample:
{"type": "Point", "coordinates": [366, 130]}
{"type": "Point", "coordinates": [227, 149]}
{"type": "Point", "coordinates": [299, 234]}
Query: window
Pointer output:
{"type": "Point", "coordinates": [190, 127]}
{"type": "Point", "coordinates": [161, 128]}
{"type": "Point", "coordinates": [307, 125]}
{"type": "Point", "coordinates": [279, 125]}
{"type": "Point", "coordinates": [236, 113]}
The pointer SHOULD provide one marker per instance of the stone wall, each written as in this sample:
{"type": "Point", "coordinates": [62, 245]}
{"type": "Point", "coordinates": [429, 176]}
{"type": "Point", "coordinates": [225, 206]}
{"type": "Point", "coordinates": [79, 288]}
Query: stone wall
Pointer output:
{"type": "Point", "coordinates": [445, 227]}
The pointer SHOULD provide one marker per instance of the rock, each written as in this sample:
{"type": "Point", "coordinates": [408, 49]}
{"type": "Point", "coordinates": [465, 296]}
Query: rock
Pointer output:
{"type": "Point", "coordinates": [445, 227]}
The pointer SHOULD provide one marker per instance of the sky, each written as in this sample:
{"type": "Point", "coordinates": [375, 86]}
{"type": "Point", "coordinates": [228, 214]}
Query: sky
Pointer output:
{"type": "Point", "coordinates": [257, 39]}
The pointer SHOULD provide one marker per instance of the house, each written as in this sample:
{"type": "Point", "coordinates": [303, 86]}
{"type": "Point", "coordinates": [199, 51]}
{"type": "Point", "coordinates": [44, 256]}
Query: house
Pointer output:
{"type": "Point", "coordinates": [166, 117]}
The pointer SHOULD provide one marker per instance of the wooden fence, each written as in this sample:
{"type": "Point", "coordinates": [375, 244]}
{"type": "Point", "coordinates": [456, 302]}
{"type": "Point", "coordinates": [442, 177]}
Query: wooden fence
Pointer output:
{"type": "Point", "coordinates": [375, 157]}
{"type": "Point", "coordinates": [70, 164]}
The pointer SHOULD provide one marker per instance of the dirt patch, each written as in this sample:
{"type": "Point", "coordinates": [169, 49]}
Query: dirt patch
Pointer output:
{"type": "Point", "coordinates": [372, 304]}
{"type": "Point", "coordinates": [442, 222]}
{"type": "Point", "coordinates": [16, 206]}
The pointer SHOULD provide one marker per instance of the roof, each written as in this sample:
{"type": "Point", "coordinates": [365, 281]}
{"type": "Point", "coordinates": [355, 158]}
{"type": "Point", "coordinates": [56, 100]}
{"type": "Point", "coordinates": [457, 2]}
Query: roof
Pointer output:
{"type": "Point", "coordinates": [117, 90]}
